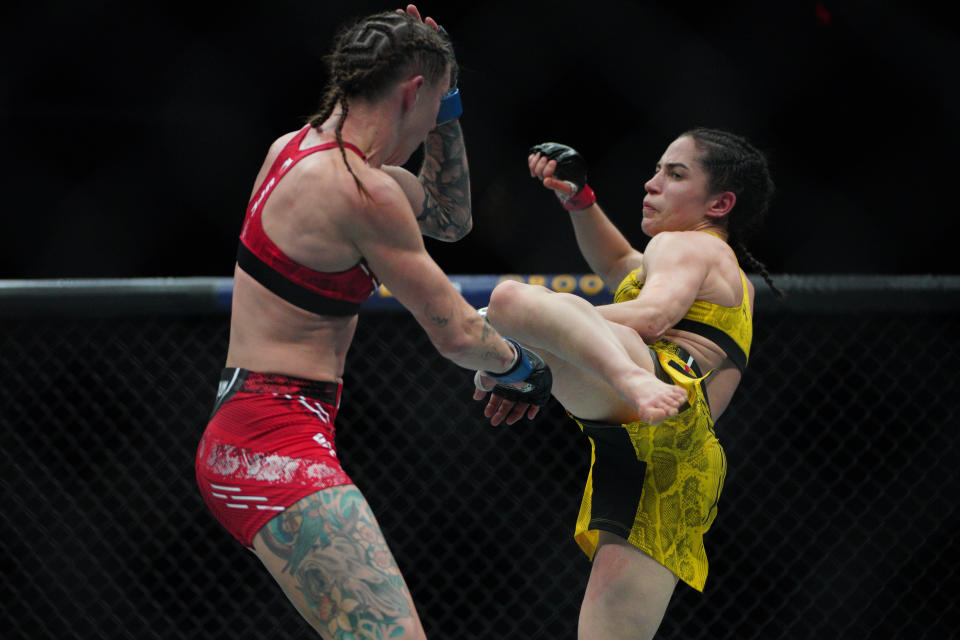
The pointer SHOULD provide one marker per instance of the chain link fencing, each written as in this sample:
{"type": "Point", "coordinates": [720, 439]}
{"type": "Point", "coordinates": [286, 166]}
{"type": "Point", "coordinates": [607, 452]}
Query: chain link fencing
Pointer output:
{"type": "Point", "coordinates": [837, 520]}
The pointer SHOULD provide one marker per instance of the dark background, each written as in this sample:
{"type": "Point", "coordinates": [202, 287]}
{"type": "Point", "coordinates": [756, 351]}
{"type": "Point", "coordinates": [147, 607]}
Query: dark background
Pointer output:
{"type": "Point", "coordinates": [132, 132]}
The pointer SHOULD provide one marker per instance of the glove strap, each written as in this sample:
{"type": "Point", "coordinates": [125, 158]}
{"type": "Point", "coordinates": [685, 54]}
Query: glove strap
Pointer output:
{"type": "Point", "coordinates": [450, 107]}
{"type": "Point", "coordinates": [583, 199]}
{"type": "Point", "coordinates": [520, 370]}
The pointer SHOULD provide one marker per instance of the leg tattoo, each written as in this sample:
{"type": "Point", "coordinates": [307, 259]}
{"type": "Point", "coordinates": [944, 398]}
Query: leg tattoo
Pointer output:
{"type": "Point", "coordinates": [335, 550]}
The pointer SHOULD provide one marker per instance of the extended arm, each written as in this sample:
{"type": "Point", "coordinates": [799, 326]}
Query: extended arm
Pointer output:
{"type": "Point", "coordinates": [388, 237]}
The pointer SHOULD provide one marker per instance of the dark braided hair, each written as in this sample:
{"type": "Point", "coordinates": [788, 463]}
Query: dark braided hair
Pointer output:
{"type": "Point", "coordinates": [733, 164]}
{"type": "Point", "coordinates": [371, 55]}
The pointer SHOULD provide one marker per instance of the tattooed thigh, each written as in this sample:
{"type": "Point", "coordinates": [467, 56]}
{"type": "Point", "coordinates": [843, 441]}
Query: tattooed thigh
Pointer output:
{"type": "Point", "coordinates": [328, 554]}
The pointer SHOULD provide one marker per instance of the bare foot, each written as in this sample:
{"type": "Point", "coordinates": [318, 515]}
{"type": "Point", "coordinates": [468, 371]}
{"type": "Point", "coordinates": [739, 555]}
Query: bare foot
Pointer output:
{"type": "Point", "coordinates": [654, 400]}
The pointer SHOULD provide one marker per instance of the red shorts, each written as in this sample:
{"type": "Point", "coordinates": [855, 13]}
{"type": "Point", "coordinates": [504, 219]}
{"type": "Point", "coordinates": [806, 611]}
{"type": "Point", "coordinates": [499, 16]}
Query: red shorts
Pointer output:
{"type": "Point", "coordinates": [269, 443]}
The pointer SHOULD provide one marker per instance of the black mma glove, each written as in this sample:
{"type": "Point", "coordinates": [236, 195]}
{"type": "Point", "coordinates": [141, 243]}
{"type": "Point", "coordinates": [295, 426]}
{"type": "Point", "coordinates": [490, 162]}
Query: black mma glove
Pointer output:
{"type": "Point", "coordinates": [528, 368]}
{"type": "Point", "coordinates": [572, 168]}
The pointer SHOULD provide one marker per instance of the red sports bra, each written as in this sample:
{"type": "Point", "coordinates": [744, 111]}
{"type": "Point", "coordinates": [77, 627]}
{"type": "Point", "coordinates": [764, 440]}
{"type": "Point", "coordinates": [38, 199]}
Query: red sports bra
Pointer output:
{"type": "Point", "coordinates": [339, 293]}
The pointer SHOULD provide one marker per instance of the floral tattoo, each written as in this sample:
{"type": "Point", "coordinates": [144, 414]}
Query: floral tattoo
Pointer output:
{"type": "Point", "coordinates": [343, 568]}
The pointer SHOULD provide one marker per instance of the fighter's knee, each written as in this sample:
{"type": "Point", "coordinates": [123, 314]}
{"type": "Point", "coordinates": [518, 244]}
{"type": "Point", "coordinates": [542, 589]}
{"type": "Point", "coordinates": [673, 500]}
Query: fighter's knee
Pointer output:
{"type": "Point", "coordinates": [505, 299]}
{"type": "Point", "coordinates": [506, 291]}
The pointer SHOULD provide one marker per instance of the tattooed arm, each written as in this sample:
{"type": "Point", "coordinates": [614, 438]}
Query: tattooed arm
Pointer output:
{"type": "Point", "coordinates": [440, 194]}
{"type": "Point", "coordinates": [385, 231]}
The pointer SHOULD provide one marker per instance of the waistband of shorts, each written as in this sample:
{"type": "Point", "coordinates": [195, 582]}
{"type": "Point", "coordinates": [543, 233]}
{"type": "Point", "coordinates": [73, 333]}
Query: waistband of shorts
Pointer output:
{"type": "Point", "coordinates": [678, 351]}
{"type": "Point", "coordinates": [259, 382]}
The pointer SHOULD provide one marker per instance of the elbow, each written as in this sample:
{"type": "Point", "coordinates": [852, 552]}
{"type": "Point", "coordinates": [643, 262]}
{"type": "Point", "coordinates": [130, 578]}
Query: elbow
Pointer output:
{"type": "Point", "coordinates": [660, 327]}
{"type": "Point", "coordinates": [651, 328]}
{"type": "Point", "coordinates": [460, 223]}
{"type": "Point", "coordinates": [465, 228]}
{"type": "Point", "coordinates": [653, 334]}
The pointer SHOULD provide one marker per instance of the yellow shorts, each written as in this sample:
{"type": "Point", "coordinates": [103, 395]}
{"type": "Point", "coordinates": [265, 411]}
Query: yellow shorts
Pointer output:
{"type": "Point", "coordinates": [657, 486]}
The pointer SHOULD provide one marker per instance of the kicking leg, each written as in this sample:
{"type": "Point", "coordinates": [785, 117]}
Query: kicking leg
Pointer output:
{"type": "Point", "coordinates": [597, 355]}
{"type": "Point", "coordinates": [330, 558]}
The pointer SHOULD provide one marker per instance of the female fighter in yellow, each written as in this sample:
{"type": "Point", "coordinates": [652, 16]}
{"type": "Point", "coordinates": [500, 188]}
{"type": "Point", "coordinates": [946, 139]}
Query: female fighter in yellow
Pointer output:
{"type": "Point", "coordinates": [683, 311]}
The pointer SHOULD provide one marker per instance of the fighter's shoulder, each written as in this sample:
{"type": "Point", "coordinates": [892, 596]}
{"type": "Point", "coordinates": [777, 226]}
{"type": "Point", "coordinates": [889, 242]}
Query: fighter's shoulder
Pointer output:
{"type": "Point", "coordinates": [378, 207]}
{"type": "Point", "coordinates": [381, 191]}
{"type": "Point", "coordinates": [706, 254]}
{"type": "Point", "coordinates": [687, 245]}
{"type": "Point", "coordinates": [351, 180]}
{"type": "Point", "coordinates": [279, 144]}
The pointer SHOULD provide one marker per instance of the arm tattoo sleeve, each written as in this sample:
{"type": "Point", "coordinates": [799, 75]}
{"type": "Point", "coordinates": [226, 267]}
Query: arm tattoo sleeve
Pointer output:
{"type": "Point", "coordinates": [445, 177]}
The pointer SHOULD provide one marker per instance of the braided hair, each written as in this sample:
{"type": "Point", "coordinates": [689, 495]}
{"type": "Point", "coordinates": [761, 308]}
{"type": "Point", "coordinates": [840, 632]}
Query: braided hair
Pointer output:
{"type": "Point", "coordinates": [733, 164]}
{"type": "Point", "coordinates": [371, 55]}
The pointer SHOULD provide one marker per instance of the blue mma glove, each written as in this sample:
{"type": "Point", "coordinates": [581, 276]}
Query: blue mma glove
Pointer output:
{"type": "Point", "coordinates": [450, 106]}
{"type": "Point", "coordinates": [528, 368]}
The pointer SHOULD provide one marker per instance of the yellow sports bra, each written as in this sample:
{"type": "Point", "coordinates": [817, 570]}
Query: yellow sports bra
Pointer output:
{"type": "Point", "coordinates": [730, 328]}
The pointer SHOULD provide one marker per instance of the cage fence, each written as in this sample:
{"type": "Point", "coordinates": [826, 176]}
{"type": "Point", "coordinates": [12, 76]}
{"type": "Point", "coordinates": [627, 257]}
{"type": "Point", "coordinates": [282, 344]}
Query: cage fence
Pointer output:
{"type": "Point", "coordinates": [837, 520]}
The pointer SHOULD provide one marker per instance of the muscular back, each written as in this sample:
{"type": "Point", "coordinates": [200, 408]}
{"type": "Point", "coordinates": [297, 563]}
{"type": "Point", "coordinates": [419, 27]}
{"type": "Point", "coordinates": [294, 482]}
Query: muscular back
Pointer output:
{"type": "Point", "coordinates": [308, 215]}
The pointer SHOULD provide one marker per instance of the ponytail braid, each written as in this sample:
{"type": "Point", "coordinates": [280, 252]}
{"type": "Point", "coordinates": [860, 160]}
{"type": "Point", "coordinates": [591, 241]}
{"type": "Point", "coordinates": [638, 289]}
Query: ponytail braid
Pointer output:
{"type": "Point", "coordinates": [748, 257]}
{"type": "Point", "coordinates": [333, 97]}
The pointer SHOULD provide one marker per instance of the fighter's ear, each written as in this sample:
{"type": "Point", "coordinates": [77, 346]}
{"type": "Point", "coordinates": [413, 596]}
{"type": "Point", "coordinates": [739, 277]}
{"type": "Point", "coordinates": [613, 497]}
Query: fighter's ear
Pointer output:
{"type": "Point", "coordinates": [411, 92]}
{"type": "Point", "coordinates": [721, 204]}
